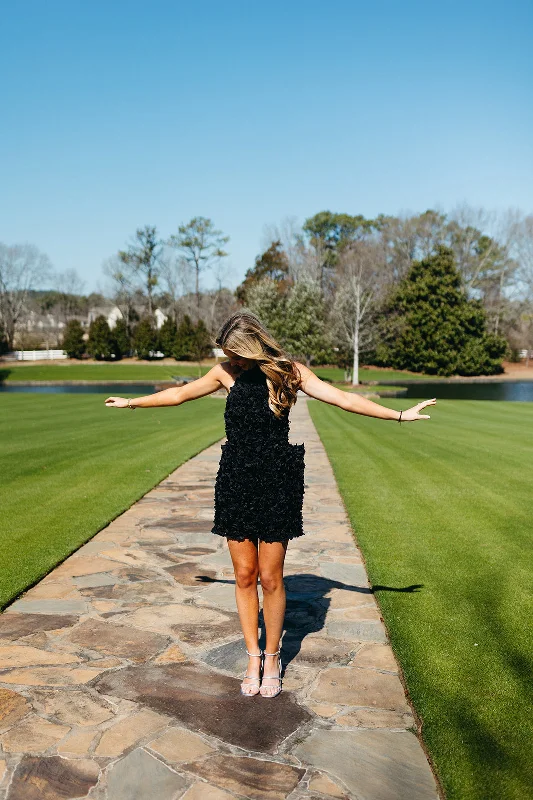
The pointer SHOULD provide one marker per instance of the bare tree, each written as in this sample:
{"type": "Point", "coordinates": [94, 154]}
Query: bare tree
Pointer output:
{"type": "Point", "coordinates": [361, 280]}
{"type": "Point", "coordinates": [123, 286]}
{"type": "Point", "coordinates": [289, 232]}
{"type": "Point", "coordinates": [475, 251]}
{"type": "Point", "coordinates": [524, 254]}
{"type": "Point", "coordinates": [177, 279]}
{"type": "Point", "coordinates": [70, 287]}
{"type": "Point", "coordinates": [142, 257]}
{"type": "Point", "coordinates": [201, 245]}
{"type": "Point", "coordinates": [22, 267]}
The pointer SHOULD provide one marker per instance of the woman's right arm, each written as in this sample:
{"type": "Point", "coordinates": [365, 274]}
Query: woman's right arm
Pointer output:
{"type": "Point", "coordinates": [207, 384]}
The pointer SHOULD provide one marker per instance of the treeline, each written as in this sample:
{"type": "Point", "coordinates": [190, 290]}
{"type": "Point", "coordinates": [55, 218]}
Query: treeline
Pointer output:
{"type": "Point", "coordinates": [429, 292]}
{"type": "Point", "coordinates": [184, 342]}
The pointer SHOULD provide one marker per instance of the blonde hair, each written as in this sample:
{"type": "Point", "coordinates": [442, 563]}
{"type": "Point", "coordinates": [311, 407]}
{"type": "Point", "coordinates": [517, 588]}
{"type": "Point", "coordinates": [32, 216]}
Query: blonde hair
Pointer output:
{"type": "Point", "coordinates": [244, 334]}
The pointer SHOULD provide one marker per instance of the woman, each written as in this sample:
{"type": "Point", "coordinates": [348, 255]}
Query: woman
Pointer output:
{"type": "Point", "coordinates": [260, 482]}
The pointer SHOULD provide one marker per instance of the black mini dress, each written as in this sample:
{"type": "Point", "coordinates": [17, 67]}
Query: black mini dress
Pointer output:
{"type": "Point", "coordinates": [259, 488]}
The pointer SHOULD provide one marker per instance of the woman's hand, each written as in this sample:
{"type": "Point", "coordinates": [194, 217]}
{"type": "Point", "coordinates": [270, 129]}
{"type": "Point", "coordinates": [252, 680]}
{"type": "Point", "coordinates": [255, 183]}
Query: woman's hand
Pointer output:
{"type": "Point", "coordinates": [116, 402]}
{"type": "Point", "coordinates": [412, 414]}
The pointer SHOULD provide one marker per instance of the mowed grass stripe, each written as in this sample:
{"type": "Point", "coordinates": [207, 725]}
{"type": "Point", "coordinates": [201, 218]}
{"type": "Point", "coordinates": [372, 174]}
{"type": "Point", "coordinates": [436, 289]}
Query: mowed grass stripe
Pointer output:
{"type": "Point", "coordinates": [109, 372]}
{"type": "Point", "coordinates": [70, 465]}
{"type": "Point", "coordinates": [441, 510]}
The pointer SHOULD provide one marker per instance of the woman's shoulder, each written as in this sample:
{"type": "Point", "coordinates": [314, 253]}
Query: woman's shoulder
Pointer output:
{"type": "Point", "coordinates": [226, 367]}
{"type": "Point", "coordinates": [302, 372]}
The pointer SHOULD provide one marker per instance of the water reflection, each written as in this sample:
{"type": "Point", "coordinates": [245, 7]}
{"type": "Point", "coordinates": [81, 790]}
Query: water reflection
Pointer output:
{"type": "Point", "coordinates": [494, 390]}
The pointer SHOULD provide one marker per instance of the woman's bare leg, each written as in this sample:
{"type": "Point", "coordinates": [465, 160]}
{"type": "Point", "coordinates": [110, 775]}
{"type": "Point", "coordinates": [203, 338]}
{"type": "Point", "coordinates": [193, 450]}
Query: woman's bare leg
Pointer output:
{"type": "Point", "coordinates": [271, 560]}
{"type": "Point", "coordinates": [244, 556]}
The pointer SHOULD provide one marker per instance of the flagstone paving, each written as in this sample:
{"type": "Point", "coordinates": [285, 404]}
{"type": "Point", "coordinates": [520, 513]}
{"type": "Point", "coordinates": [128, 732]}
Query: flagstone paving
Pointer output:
{"type": "Point", "coordinates": [120, 670]}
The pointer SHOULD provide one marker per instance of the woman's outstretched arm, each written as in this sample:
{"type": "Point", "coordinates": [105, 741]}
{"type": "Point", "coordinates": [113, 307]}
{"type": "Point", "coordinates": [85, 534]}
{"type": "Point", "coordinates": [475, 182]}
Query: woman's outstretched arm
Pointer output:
{"type": "Point", "coordinates": [207, 384]}
{"type": "Point", "coordinates": [356, 403]}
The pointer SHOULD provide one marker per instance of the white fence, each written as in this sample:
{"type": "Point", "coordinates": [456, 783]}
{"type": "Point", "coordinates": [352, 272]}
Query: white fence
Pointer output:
{"type": "Point", "coordinates": [35, 355]}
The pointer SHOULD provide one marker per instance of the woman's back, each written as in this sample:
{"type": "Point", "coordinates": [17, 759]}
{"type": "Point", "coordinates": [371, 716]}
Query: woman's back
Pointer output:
{"type": "Point", "coordinates": [260, 483]}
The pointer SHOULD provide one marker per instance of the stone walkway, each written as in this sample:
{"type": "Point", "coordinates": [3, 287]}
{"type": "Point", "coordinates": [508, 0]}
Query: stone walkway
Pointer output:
{"type": "Point", "coordinates": [120, 671]}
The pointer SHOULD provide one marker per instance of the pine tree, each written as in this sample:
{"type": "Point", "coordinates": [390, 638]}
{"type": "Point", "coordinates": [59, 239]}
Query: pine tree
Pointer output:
{"type": "Point", "coordinates": [4, 347]}
{"type": "Point", "coordinates": [304, 332]}
{"type": "Point", "coordinates": [273, 264]}
{"type": "Point", "coordinates": [184, 345]}
{"type": "Point", "coordinates": [267, 302]}
{"type": "Point", "coordinates": [100, 344]}
{"type": "Point", "coordinates": [432, 327]}
{"type": "Point", "coordinates": [201, 342]}
{"type": "Point", "coordinates": [73, 343]}
{"type": "Point", "coordinates": [121, 339]}
{"type": "Point", "coordinates": [144, 339]}
{"type": "Point", "coordinates": [167, 336]}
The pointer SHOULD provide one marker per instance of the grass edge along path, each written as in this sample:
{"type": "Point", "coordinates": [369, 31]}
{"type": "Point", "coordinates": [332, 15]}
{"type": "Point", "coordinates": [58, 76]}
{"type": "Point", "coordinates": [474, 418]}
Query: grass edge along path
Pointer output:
{"type": "Point", "coordinates": [70, 465]}
{"type": "Point", "coordinates": [441, 513]}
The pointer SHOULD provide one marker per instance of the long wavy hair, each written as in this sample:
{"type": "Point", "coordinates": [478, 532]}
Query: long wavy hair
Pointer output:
{"type": "Point", "coordinates": [244, 334]}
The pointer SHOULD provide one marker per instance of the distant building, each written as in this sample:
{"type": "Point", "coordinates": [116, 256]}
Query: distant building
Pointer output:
{"type": "Point", "coordinates": [39, 323]}
{"type": "Point", "coordinates": [111, 313]}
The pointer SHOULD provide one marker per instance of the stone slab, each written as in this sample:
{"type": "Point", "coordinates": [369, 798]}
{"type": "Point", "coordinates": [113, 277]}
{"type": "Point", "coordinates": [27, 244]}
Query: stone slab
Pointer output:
{"type": "Point", "coordinates": [249, 777]}
{"type": "Point", "coordinates": [207, 702]}
{"type": "Point", "coordinates": [140, 775]}
{"type": "Point", "coordinates": [373, 764]}
{"type": "Point", "coordinates": [360, 687]}
{"type": "Point", "coordinates": [52, 778]}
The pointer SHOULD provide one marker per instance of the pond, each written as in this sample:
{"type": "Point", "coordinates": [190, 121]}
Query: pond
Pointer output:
{"type": "Point", "coordinates": [110, 389]}
{"type": "Point", "coordinates": [471, 390]}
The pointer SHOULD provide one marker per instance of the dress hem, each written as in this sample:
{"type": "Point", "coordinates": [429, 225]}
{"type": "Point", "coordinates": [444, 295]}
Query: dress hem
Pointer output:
{"type": "Point", "coordinates": [264, 538]}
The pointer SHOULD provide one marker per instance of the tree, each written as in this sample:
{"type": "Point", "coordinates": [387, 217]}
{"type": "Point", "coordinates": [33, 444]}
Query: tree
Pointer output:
{"type": "Point", "coordinates": [267, 300]}
{"type": "Point", "coordinates": [100, 344]}
{"type": "Point", "coordinates": [273, 264]}
{"type": "Point", "coordinates": [177, 279]}
{"type": "Point", "coordinates": [73, 343]}
{"type": "Point", "coordinates": [329, 233]}
{"type": "Point", "coordinates": [184, 344]}
{"type": "Point", "coordinates": [144, 338]}
{"type": "Point", "coordinates": [123, 289]}
{"type": "Point", "coordinates": [432, 327]}
{"type": "Point", "coordinates": [3, 340]}
{"type": "Point", "coordinates": [201, 245]}
{"type": "Point", "coordinates": [304, 334]}
{"type": "Point", "coordinates": [121, 339]}
{"type": "Point", "coordinates": [69, 300]}
{"type": "Point", "coordinates": [201, 343]}
{"type": "Point", "coordinates": [167, 336]}
{"type": "Point", "coordinates": [359, 283]}
{"type": "Point", "coordinates": [143, 259]}
{"type": "Point", "coordinates": [22, 267]}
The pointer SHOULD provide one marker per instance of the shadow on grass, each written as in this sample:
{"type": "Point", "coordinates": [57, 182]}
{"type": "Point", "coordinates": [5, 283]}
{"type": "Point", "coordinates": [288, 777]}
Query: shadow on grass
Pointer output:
{"type": "Point", "coordinates": [4, 374]}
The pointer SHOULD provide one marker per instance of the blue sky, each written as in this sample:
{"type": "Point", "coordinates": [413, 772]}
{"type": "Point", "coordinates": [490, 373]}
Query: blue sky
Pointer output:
{"type": "Point", "coordinates": [117, 115]}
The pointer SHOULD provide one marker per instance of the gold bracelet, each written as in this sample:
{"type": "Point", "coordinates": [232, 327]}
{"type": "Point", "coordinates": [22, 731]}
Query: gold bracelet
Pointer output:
{"type": "Point", "coordinates": [130, 405]}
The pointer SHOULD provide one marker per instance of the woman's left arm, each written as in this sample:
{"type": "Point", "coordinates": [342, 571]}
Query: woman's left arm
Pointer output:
{"type": "Point", "coordinates": [356, 403]}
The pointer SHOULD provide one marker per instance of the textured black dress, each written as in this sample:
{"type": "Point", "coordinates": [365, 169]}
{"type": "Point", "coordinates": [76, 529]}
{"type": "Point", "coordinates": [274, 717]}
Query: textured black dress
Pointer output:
{"type": "Point", "coordinates": [259, 486]}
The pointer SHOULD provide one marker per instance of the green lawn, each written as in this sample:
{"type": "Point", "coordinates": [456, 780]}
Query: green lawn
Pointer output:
{"type": "Point", "coordinates": [442, 512]}
{"type": "Point", "coordinates": [69, 465]}
{"type": "Point", "coordinates": [97, 372]}
{"type": "Point", "coordinates": [136, 372]}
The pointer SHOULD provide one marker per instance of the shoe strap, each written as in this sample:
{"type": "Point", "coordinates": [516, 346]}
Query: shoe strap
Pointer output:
{"type": "Point", "coordinates": [271, 654]}
{"type": "Point", "coordinates": [255, 654]}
